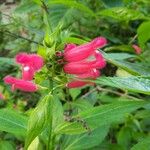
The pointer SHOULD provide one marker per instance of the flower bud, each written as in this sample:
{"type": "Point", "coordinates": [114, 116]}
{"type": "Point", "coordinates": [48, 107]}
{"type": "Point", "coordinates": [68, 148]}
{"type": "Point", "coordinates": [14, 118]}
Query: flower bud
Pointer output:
{"type": "Point", "coordinates": [137, 49]}
{"type": "Point", "coordinates": [59, 54]}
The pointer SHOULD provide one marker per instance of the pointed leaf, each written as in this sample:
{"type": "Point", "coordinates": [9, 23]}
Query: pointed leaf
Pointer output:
{"type": "Point", "coordinates": [86, 140]}
{"type": "Point", "coordinates": [134, 84]}
{"type": "Point", "coordinates": [100, 116]}
{"type": "Point", "coordinates": [38, 119]}
{"type": "Point", "coordinates": [142, 145]}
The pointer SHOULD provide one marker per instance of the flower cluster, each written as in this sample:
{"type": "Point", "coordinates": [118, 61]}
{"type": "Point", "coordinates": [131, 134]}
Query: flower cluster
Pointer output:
{"type": "Point", "coordinates": [84, 61]}
{"type": "Point", "coordinates": [30, 63]}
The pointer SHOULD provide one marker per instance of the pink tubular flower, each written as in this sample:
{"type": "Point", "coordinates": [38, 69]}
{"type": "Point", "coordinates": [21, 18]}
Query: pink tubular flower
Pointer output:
{"type": "Point", "coordinates": [78, 53]}
{"type": "Point", "coordinates": [30, 64]}
{"type": "Point", "coordinates": [100, 62]}
{"type": "Point", "coordinates": [85, 66]}
{"type": "Point", "coordinates": [32, 60]}
{"type": "Point", "coordinates": [77, 68]}
{"type": "Point", "coordinates": [69, 47]}
{"type": "Point", "coordinates": [21, 84]}
{"type": "Point", "coordinates": [81, 64]}
{"type": "Point", "coordinates": [76, 84]}
{"type": "Point", "coordinates": [137, 49]}
{"type": "Point", "coordinates": [27, 73]}
{"type": "Point", "coordinates": [94, 73]}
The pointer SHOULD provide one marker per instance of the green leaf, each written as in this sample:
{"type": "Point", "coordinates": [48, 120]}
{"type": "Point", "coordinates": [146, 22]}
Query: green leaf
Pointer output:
{"type": "Point", "coordinates": [35, 145]}
{"type": "Point", "coordinates": [142, 145]}
{"type": "Point", "coordinates": [99, 116]}
{"type": "Point", "coordinates": [5, 145]}
{"type": "Point", "coordinates": [6, 63]}
{"type": "Point", "coordinates": [74, 93]}
{"type": "Point", "coordinates": [74, 40]}
{"type": "Point", "coordinates": [113, 3]}
{"type": "Point", "coordinates": [12, 122]}
{"type": "Point", "coordinates": [122, 48]}
{"type": "Point", "coordinates": [143, 114]}
{"type": "Point", "coordinates": [61, 14]}
{"type": "Point", "coordinates": [143, 33]}
{"type": "Point", "coordinates": [57, 117]}
{"type": "Point", "coordinates": [124, 137]}
{"type": "Point", "coordinates": [122, 14]}
{"type": "Point", "coordinates": [134, 84]}
{"type": "Point", "coordinates": [26, 7]}
{"type": "Point", "coordinates": [57, 111]}
{"type": "Point", "coordinates": [80, 142]}
{"type": "Point", "coordinates": [70, 39]}
{"type": "Point", "coordinates": [82, 104]}
{"type": "Point", "coordinates": [38, 119]}
{"type": "Point", "coordinates": [9, 61]}
{"type": "Point", "coordinates": [73, 4]}
{"type": "Point", "coordinates": [120, 56]}
{"type": "Point", "coordinates": [133, 68]}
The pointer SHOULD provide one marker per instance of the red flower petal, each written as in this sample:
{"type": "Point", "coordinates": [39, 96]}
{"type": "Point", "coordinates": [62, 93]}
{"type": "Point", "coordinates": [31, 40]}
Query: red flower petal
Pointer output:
{"type": "Point", "coordinates": [20, 84]}
{"type": "Point", "coordinates": [76, 84]}
{"type": "Point", "coordinates": [32, 60]}
{"type": "Point", "coordinates": [27, 73]}
{"type": "Point", "coordinates": [84, 51]}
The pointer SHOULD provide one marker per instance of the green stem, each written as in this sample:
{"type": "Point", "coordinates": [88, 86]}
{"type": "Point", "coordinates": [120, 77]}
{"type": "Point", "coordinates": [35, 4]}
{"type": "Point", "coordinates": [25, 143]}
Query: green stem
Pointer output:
{"type": "Point", "coordinates": [50, 141]}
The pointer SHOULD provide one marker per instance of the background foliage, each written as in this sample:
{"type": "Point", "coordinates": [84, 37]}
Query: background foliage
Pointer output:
{"type": "Point", "coordinates": [113, 115]}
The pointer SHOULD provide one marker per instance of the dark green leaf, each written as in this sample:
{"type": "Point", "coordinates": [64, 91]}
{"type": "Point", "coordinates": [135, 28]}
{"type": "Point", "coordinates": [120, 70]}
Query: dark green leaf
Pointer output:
{"type": "Point", "coordinates": [73, 4]}
{"type": "Point", "coordinates": [133, 68]}
{"type": "Point", "coordinates": [113, 3]}
{"type": "Point", "coordinates": [134, 84]}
